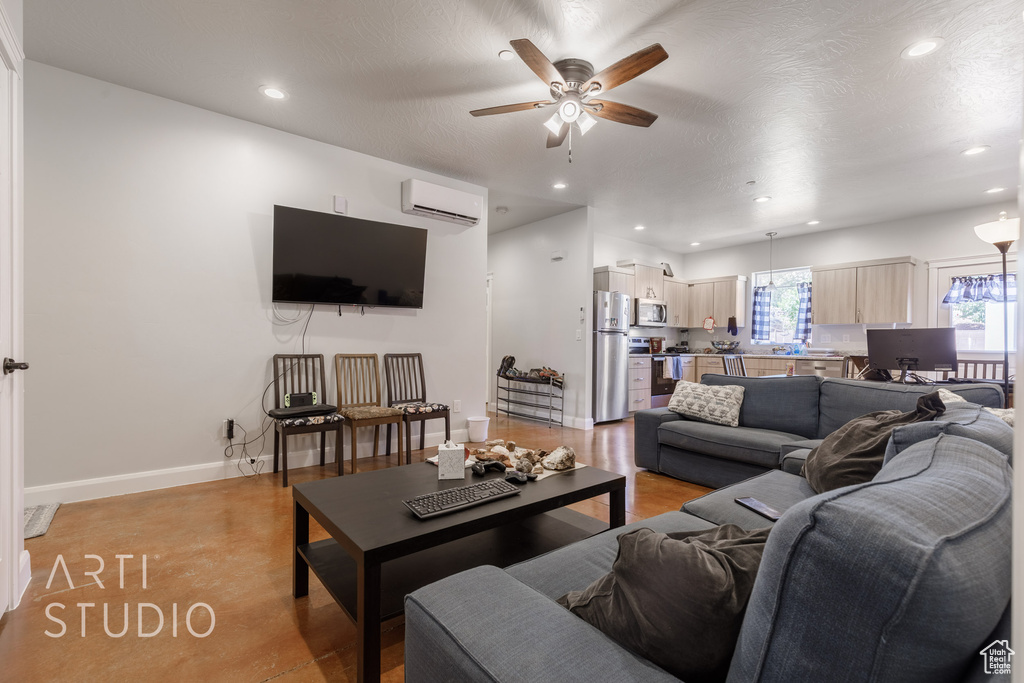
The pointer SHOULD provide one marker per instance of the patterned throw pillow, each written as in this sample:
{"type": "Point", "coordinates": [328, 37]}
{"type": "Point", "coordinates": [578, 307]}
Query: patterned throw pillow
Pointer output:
{"type": "Point", "coordinates": [719, 405]}
{"type": "Point", "coordinates": [1004, 414]}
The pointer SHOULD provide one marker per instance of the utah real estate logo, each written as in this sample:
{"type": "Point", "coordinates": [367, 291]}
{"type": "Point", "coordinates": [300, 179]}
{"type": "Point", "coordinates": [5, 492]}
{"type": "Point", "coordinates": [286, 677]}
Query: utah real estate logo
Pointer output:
{"type": "Point", "coordinates": [997, 656]}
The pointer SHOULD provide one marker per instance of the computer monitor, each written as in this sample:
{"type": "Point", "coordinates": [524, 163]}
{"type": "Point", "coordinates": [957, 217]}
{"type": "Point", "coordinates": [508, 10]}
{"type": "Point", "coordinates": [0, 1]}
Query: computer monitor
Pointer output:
{"type": "Point", "coordinates": [925, 349]}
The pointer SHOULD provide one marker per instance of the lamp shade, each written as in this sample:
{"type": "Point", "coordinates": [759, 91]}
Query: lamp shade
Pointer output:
{"type": "Point", "coordinates": [1003, 230]}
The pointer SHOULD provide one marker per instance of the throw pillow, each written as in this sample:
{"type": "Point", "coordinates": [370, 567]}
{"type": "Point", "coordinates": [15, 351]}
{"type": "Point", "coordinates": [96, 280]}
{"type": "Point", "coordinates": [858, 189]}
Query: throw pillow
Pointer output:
{"type": "Point", "coordinates": [1004, 414]}
{"type": "Point", "coordinates": [853, 454]}
{"type": "Point", "coordinates": [719, 405]}
{"type": "Point", "coordinates": [676, 599]}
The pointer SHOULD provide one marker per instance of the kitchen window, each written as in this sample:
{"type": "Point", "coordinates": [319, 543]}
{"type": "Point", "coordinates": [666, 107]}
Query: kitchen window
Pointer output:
{"type": "Point", "coordinates": [784, 309]}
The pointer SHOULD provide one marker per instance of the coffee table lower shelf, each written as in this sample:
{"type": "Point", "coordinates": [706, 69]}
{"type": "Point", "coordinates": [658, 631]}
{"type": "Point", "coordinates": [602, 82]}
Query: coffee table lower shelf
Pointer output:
{"type": "Point", "coordinates": [502, 547]}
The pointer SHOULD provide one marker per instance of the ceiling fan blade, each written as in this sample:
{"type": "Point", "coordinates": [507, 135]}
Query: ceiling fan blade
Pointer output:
{"type": "Point", "coordinates": [536, 60]}
{"type": "Point", "coordinates": [556, 140]}
{"type": "Point", "coordinates": [623, 113]}
{"type": "Point", "coordinates": [506, 108]}
{"type": "Point", "coordinates": [628, 68]}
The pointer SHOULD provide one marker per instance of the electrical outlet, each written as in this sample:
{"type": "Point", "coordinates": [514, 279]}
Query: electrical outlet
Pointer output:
{"type": "Point", "coordinates": [228, 429]}
{"type": "Point", "coordinates": [846, 337]}
{"type": "Point", "coordinates": [826, 338]}
{"type": "Point", "coordinates": [579, 335]}
{"type": "Point", "coordinates": [458, 406]}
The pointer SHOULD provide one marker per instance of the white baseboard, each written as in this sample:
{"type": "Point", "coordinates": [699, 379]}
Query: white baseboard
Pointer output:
{"type": "Point", "coordinates": [136, 482]}
{"type": "Point", "coordinates": [24, 576]}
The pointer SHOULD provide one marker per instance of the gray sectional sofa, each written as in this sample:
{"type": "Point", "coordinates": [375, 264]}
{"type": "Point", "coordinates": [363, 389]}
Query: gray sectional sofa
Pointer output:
{"type": "Point", "coordinates": [903, 578]}
{"type": "Point", "coordinates": [780, 420]}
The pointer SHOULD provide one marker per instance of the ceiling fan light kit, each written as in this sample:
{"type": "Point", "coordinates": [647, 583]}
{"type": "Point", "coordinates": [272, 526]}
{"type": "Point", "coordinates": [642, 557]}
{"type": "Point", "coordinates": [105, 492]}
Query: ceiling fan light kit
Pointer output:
{"type": "Point", "coordinates": [572, 82]}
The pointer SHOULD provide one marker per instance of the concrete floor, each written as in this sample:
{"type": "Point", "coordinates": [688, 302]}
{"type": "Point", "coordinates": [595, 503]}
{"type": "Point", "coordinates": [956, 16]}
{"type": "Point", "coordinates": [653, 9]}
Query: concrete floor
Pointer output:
{"type": "Point", "coordinates": [226, 544]}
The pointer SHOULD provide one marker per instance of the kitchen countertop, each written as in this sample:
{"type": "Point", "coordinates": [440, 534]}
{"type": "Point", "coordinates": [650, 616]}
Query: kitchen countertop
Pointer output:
{"type": "Point", "coordinates": [745, 355]}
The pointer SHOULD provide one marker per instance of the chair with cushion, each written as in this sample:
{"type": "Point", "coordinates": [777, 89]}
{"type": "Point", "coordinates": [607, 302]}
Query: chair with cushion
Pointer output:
{"type": "Point", "coordinates": [302, 374]}
{"type": "Point", "coordinates": [735, 366]}
{"type": "Point", "coordinates": [358, 378]}
{"type": "Point", "coordinates": [407, 389]}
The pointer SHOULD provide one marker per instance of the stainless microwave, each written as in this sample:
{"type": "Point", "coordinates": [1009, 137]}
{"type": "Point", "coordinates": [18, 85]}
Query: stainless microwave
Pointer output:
{"type": "Point", "coordinates": [650, 313]}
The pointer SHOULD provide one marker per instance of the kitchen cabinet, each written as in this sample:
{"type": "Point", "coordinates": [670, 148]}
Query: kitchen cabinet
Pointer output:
{"type": "Point", "coordinates": [677, 299]}
{"type": "Point", "coordinates": [611, 279]}
{"type": "Point", "coordinates": [650, 282]}
{"type": "Point", "coordinates": [763, 367]}
{"type": "Point", "coordinates": [639, 383]}
{"type": "Point", "coordinates": [720, 298]}
{"type": "Point", "coordinates": [820, 367]}
{"type": "Point", "coordinates": [866, 292]}
{"type": "Point", "coordinates": [709, 365]}
{"type": "Point", "coordinates": [689, 369]}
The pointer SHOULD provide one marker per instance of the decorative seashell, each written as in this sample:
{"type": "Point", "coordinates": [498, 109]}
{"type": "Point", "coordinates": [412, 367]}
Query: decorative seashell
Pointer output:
{"type": "Point", "coordinates": [538, 468]}
{"type": "Point", "coordinates": [481, 452]}
{"type": "Point", "coordinates": [500, 451]}
{"type": "Point", "coordinates": [511, 446]}
{"type": "Point", "coordinates": [495, 442]}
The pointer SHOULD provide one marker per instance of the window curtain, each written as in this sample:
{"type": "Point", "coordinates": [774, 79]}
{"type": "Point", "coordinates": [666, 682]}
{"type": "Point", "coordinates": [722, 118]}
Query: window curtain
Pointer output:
{"type": "Point", "coordinates": [981, 288]}
{"type": "Point", "coordinates": [762, 316]}
{"type": "Point", "coordinates": [803, 313]}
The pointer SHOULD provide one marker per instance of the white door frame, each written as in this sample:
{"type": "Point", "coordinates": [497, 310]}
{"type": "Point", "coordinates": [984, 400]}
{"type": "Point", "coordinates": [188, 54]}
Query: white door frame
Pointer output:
{"type": "Point", "coordinates": [15, 569]}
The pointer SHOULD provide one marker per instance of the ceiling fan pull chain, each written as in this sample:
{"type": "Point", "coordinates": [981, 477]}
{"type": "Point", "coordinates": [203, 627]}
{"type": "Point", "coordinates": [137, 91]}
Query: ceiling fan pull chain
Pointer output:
{"type": "Point", "coordinates": [570, 143]}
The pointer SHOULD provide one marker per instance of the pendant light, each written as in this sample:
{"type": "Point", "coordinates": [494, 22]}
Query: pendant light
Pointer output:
{"type": "Point", "coordinates": [771, 271]}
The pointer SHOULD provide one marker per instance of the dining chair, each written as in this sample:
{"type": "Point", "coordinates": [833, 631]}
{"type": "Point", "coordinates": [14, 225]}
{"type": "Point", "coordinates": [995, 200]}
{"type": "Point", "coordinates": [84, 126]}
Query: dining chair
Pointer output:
{"type": "Point", "coordinates": [358, 379]}
{"type": "Point", "coordinates": [735, 366]}
{"type": "Point", "coordinates": [407, 390]}
{"type": "Point", "coordinates": [303, 373]}
{"type": "Point", "coordinates": [977, 369]}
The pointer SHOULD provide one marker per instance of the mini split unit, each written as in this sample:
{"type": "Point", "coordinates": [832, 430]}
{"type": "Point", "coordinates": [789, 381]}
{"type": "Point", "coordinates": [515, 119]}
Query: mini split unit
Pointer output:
{"type": "Point", "coordinates": [421, 198]}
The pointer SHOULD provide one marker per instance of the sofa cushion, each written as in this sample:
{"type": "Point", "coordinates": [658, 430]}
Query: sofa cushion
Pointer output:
{"type": "Point", "coordinates": [854, 453]}
{"type": "Point", "coordinates": [592, 558]}
{"type": "Point", "coordinates": [787, 404]}
{"type": "Point", "coordinates": [676, 599]}
{"type": "Point", "coordinates": [483, 625]}
{"type": "Point", "coordinates": [844, 399]}
{"type": "Point", "coordinates": [744, 444]}
{"type": "Point", "coordinates": [793, 455]}
{"type": "Point", "coordinates": [720, 405]}
{"type": "Point", "coordinates": [898, 579]}
{"type": "Point", "coordinates": [960, 419]}
{"type": "Point", "coordinates": [776, 489]}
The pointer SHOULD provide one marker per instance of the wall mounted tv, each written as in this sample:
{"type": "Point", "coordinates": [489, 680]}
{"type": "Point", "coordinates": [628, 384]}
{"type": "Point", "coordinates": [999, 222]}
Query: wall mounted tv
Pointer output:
{"type": "Point", "coordinates": [322, 258]}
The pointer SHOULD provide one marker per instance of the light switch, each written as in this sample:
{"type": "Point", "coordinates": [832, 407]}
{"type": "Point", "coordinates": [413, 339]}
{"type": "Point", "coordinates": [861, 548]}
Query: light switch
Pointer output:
{"type": "Point", "coordinates": [579, 335]}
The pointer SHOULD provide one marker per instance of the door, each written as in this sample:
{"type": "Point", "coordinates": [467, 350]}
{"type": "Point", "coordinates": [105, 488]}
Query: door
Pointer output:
{"type": "Point", "coordinates": [11, 385]}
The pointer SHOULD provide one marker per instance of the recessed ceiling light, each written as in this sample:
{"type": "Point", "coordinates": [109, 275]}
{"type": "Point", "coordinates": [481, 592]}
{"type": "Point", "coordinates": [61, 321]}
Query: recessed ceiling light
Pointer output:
{"type": "Point", "coordinates": [639, 227]}
{"type": "Point", "coordinates": [971, 151]}
{"type": "Point", "coordinates": [694, 244]}
{"type": "Point", "coordinates": [813, 222]}
{"type": "Point", "coordinates": [763, 199]}
{"type": "Point", "coordinates": [273, 93]}
{"type": "Point", "coordinates": [994, 190]}
{"type": "Point", "coordinates": [559, 186]}
{"type": "Point", "coordinates": [922, 48]}
{"type": "Point", "coordinates": [501, 209]}
{"type": "Point", "coordinates": [507, 55]}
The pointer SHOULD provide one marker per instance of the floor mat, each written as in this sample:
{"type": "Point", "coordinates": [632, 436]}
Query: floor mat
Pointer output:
{"type": "Point", "coordinates": [38, 518]}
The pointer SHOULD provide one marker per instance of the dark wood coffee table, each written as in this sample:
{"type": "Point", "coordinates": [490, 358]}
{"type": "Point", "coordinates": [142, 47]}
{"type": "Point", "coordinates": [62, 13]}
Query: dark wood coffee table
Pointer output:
{"type": "Point", "coordinates": [379, 551]}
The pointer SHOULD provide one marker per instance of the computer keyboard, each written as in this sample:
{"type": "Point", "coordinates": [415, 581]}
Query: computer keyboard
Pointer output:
{"type": "Point", "coordinates": [451, 500]}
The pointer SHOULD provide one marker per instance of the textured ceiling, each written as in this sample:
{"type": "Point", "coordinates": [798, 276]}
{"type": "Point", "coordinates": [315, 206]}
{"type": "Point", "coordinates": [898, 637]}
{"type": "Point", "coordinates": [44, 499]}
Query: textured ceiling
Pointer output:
{"type": "Point", "coordinates": [809, 98]}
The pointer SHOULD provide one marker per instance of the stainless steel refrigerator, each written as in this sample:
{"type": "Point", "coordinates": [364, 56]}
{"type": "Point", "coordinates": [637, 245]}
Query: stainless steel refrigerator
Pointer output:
{"type": "Point", "coordinates": [611, 356]}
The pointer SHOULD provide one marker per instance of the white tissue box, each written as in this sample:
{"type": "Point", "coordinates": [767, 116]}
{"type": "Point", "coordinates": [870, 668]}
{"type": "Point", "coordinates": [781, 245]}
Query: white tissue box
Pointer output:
{"type": "Point", "coordinates": [451, 461]}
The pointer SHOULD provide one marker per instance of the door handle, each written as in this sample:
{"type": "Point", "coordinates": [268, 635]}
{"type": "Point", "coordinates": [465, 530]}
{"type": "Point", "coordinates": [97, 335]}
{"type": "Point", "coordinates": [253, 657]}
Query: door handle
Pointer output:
{"type": "Point", "coordinates": [10, 365]}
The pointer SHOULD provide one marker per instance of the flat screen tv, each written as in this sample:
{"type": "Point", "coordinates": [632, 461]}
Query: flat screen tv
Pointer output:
{"type": "Point", "coordinates": [322, 258]}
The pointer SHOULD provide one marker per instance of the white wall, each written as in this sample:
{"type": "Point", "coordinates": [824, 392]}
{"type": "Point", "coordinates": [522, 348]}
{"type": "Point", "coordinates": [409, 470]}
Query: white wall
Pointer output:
{"type": "Point", "coordinates": [608, 250]}
{"type": "Point", "coordinates": [536, 302]}
{"type": "Point", "coordinates": [148, 263]}
{"type": "Point", "coordinates": [931, 236]}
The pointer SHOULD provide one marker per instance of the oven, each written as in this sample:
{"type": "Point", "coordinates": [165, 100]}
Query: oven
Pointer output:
{"type": "Point", "coordinates": [661, 388]}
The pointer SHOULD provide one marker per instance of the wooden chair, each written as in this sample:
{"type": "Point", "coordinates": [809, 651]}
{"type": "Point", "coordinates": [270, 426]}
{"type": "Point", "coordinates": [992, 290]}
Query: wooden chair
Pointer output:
{"type": "Point", "coordinates": [977, 369]}
{"type": "Point", "coordinates": [854, 366]}
{"type": "Point", "coordinates": [295, 374]}
{"type": "Point", "coordinates": [358, 378]}
{"type": "Point", "coordinates": [407, 390]}
{"type": "Point", "coordinates": [735, 366]}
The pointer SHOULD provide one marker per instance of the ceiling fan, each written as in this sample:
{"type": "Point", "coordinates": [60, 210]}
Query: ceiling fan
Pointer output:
{"type": "Point", "coordinates": [573, 83]}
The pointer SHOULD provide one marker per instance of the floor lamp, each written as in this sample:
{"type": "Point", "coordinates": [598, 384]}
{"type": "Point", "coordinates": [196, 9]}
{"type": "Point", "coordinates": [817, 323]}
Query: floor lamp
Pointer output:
{"type": "Point", "coordinates": [1001, 234]}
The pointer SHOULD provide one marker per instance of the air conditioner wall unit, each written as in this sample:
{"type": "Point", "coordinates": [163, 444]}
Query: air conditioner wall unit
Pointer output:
{"type": "Point", "coordinates": [421, 198]}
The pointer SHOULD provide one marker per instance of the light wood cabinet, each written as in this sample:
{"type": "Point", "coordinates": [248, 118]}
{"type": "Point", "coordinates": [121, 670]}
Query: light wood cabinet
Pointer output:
{"type": "Point", "coordinates": [819, 366]}
{"type": "Point", "coordinates": [689, 369]}
{"type": "Point", "coordinates": [650, 282]}
{"type": "Point", "coordinates": [720, 298]}
{"type": "Point", "coordinates": [707, 364]}
{"type": "Point", "coordinates": [609, 279]}
{"type": "Point", "coordinates": [701, 302]}
{"type": "Point", "coordinates": [677, 299]}
{"type": "Point", "coordinates": [868, 292]}
{"type": "Point", "coordinates": [639, 383]}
